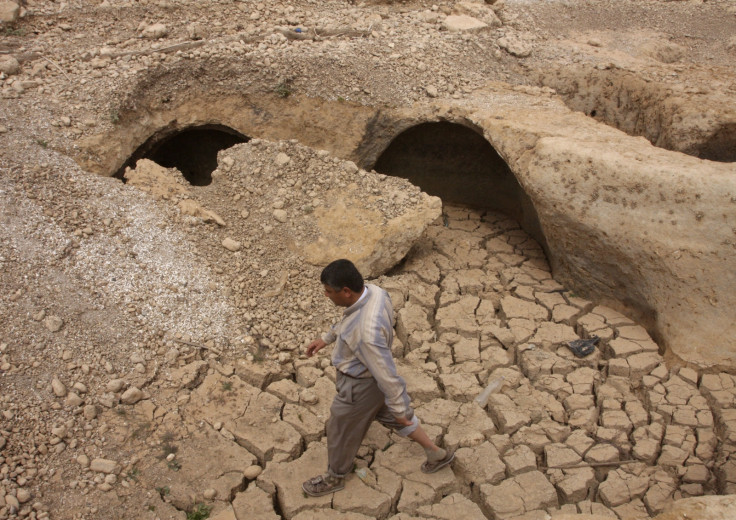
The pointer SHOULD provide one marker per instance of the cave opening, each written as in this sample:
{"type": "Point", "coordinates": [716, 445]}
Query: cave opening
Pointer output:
{"type": "Point", "coordinates": [193, 151]}
{"type": "Point", "coordinates": [457, 164]}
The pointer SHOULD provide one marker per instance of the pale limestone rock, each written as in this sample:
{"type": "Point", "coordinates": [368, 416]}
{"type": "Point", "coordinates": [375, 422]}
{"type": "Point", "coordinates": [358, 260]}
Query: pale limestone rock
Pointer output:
{"type": "Point", "coordinates": [190, 375]}
{"type": "Point", "coordinates": [53, 323]}
{"type": "Point", "coordinates": [9, 12]}
{"type": "Point", "coordinates": [206, 460]}
{"type": "Point", "coordinates": [287, 476]}
{"type": "Point", "coordinates": [12, 502]}
{"type": "Point", "coordinates": [480, 11]}
{"type": "Point", "coordinates": [506, 414]}
{"type": "Point", "coordinates": [414, 495]}
{"type": "Point", "coordinates": [512, 307]}
{"type": "Point", "coordinates": [452, 507]}
{"type": "Point", "coordinates": [160, 182]}
{"type": "Point", "coordinates": [23, 495]}
{"type": "Point", "coordinates": [516, 44]}
{"type": "Point", "coordinates": [518, 495]}
{"type": "Point", "coordinates": [458, 317]}
{"type": "Point", "coordinates": [9, 65]}
{"type": "Point", "coordinates": [232, 245]}
{"type": "Point", "coordinates": [131, 396]}
{"type": "Point", "coordinates": [550, 335]}
{"type": "Point", "coordinates": [286, 390]}
{"type": "Point", "coordinates": [330, 514]}
{"type": "Point", "coordinates": [460, 387]}
{"type": "Point", "coordinates": [194, 209]}
{"type": "Point", "coordinates": [479, 465]}
{"type": "Point", "coordinates": [635, 510]}
{"type": "Point", "coordinates": [378, 242]}
{"type": "Point", "coordinates": [560, 456]}
{"type": "Point", "coordinates": [252, 416]}
{"type": "Point", "coordinates": [252, 472]}
{"type": "Point", "coordinates": [421, 386]}
{"type": "Point", "coordinates": [412, 317]}
{"type": "Point", "coordinates": [439, 412]}
{"type": "Point", "coordinates": [73, 399]}
{"type": "Point", "coordinates": [705, 508]}
{"type": "Point", "coordinates": [58, 388]}
{"type": "Point", "coordinates": [309, 426]}
{"type": "Point", "coordinates": [576, 484]}
{"type": "Point", "coordinates": [155, 31]}
{"type": "Point", "coordinates": [307, 375]}
{"type": "Point", "coordinates": [405, 458]}
{"type": "Point", "coordinates": [621, 488]}
{"type": "Point", "coordinates": [104, 466]}
{"type": "Point", "coordinates": [258, 374]}
{"type": "Point", "coordinates": [470, 427]}
{"type": "Point", "coordinates": [227, 513]}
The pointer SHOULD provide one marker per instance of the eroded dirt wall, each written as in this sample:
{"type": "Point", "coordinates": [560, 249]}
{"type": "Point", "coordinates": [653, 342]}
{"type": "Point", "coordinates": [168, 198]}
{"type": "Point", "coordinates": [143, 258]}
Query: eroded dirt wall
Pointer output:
{"type": "Point", "coordinates": [694, 121]}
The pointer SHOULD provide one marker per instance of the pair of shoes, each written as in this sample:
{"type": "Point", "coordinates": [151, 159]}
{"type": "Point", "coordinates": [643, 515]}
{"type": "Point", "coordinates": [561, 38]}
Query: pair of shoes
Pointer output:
{"type": "Point", "coordinates": [431, 467]}
{"type": "Point", "coordinates": [323, 485]}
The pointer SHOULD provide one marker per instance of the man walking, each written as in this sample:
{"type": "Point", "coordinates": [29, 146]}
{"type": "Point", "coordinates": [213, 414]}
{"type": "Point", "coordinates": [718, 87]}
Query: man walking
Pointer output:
{"type": "Point", "coordinates": [368, 386]}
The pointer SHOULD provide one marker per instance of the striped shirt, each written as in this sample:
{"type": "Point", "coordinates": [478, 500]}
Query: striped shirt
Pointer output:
{"type": "Point", "coordinates": [363, 349]}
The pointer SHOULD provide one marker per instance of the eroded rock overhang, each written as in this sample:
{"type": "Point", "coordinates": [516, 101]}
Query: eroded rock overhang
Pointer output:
{"type": "Point", "coordinates": [648, 231]}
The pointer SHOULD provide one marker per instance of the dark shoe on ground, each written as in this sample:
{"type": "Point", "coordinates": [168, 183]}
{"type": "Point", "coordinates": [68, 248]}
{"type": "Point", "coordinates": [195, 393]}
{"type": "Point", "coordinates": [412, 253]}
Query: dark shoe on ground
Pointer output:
{"type": "Point", "coordinates": [323, 485]}
{"type": "Point", "coordinates": [431, 467]}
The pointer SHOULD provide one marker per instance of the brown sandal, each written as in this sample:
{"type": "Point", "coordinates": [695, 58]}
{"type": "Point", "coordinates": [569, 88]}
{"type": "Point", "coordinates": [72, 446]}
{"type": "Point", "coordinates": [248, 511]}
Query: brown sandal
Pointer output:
{"type": "Point", "coordinates": [323, 485]}
{"type": "Point", "coordinates": [431, 467]}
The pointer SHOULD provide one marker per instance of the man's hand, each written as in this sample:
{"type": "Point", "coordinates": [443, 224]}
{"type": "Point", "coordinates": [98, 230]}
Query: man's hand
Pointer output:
{"type": "Point", "coordinates": [315, 347]}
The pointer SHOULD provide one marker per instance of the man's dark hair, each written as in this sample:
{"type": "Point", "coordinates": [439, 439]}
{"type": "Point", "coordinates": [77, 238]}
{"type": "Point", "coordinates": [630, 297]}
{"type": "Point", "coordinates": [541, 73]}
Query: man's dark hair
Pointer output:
{"type": "Point", "coordinates": [342, 273]}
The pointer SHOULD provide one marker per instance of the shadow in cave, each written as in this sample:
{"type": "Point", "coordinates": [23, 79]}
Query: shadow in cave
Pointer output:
{"type": "Point", "coordinates": [193, 151]}
{"type": "Point", "coordinates": [721, 146]}
{"type": "Point", "coordinates": [459, 165]}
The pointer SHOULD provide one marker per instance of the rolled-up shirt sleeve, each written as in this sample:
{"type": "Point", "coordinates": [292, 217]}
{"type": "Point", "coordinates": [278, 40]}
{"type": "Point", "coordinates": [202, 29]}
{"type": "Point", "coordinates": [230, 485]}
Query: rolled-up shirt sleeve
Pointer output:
{"type": "Point", "coordinates": [378, 360]}
{"type": "Point", "coordinates": [331, 335]}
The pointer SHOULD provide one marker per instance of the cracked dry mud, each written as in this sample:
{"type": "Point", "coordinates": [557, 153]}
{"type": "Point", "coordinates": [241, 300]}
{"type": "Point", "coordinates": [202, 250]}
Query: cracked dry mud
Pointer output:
{"type": "Point", "coordinates": [151, 359]}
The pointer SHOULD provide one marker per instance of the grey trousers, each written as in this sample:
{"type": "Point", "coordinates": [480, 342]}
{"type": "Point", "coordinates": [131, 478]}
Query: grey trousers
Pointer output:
{"type": "Point", "coordinates": [357, 404]}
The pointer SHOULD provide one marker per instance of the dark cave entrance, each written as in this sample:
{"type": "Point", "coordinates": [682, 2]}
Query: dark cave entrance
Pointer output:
{"type": "Point", "coordinates": [193, 151]}
{"type": "Point", "coordinates": [721, 146]}
{"type": "Point", "coordinates": [459, 165]}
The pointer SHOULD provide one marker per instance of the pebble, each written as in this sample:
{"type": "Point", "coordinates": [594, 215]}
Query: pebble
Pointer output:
{"type": "Point", "coordinates": [115, 385]}
{"type": "Point", "coordinates": [280, 215]}
{"type": "Point", "coordinates": [104, 466]}
{"type": "Point", "coordinates": [252, 472]}
{"type": "Point", "coordinates": [73, 399]}
{"type": "Point", "coordinates": [53, 323]}
{"type": "Point", "coordinates": [23, 495]}
{"type": "Point", "coordinates": [58, 388]}
{"type": "Point", "coordinates": [232, 245]}
{"type": "Point", "coordinates": [90, 412]}
{"type": "Point", "coordinates": [131, 396]}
